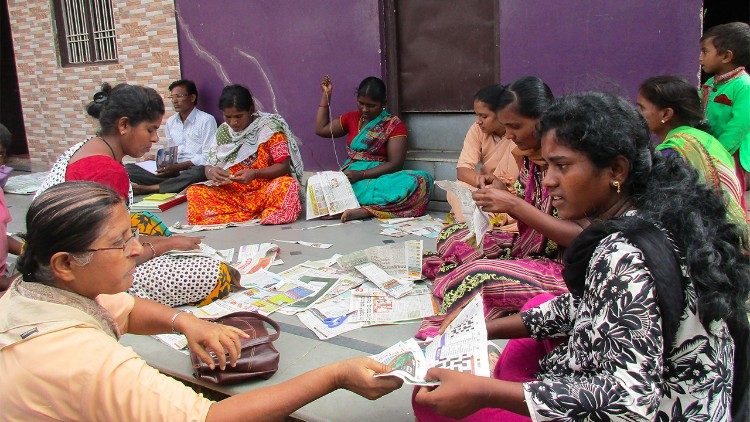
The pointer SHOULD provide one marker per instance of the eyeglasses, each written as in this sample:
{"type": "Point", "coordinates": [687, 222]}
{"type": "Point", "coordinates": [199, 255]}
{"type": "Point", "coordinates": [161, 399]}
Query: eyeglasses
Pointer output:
{"type": "Point", "coordinates": [127, 245]}
{"type": "Point", "coordinates": [171, 96]}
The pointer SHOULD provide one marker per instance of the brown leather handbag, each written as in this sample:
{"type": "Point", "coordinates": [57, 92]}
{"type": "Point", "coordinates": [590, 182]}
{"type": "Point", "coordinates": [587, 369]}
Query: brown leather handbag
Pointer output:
{"type": "Point", "coordinates": [258, 358]}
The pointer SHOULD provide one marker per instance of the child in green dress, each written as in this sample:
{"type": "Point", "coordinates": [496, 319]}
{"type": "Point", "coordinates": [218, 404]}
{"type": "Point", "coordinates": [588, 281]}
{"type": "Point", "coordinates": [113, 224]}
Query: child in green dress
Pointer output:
{"type": "Point", "coordinates": [725, 53]}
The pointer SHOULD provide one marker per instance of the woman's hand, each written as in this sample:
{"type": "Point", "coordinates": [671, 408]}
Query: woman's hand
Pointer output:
{"type": "Point", "coordinates": [357, 376]}
{"type": "Point", "coordinates": [326, 86]}
{"type": "Point", "coordinates": [483, 180]}
{"type": "Point", "coordinates": [491, 199]}
{"type": "Point", "coordinates": [182, 243]}
{"type": "Point", "coordinates": [354, 175]}
{"type": "Point", "coordinates": [243, 176]}
{"type": "Point", "coordinates": [212, 342]}
{"type": "Point", "coordinates": [458, 395]}
{"type": "Point", "coordinates": [217, 175]}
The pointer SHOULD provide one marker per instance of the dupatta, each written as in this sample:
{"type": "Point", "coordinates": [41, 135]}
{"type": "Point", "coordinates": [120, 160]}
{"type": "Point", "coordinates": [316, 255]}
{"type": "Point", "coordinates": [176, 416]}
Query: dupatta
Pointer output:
{"type": "Point", "coordinates": [234, 147]}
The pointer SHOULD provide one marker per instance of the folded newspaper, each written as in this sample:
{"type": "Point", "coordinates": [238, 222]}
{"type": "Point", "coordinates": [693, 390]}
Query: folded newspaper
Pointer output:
{"type": "Point", "coordinates": [462, 347]}
{"type": "Point", "coordinates": [477, 221]}
{"type": "Point", "coordinates": [329, 193]}
{"type": "Point", "coordinates": [402, 261]}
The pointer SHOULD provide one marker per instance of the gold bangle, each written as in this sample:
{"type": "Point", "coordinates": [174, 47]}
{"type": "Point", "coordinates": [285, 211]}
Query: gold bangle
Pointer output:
{"type": "Point", "coordinates": [153, 251]}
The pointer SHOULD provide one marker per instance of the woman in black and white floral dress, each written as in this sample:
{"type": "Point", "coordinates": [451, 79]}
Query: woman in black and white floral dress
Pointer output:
{"type": "Point", "coordinates": [655, 325]}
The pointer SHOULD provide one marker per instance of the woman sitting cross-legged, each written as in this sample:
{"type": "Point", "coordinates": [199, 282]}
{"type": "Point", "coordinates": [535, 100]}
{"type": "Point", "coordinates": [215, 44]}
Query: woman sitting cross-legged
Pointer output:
{"type": "Point", "coordinates": [654, 326]}
{"type": "Point", "coordinates": [376, 144]}
{"type": "Point", "coordinates": [129, 116]}
{"type": "Point", "coordinates": [60, 323]}
{"type": "Point", "coordinates": [254, 169]}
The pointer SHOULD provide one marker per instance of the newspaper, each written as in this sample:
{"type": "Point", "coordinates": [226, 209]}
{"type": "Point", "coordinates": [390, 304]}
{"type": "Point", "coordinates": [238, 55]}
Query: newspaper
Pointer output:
{"type": "Point", "coordinates": [320, 285]}
{"type": "Point", "coordinates": [385, 309]}
{"type": "Point", "coordinates": [256, 257]}
{"type": "Point", "coordinates": [329, 193]}
{"type": "Point", "coordinates": [426, 225]}
{"type": "Point", "coordinates": [25, 184]}
{"type": "Point", "coordinates": [256, 299]}
{"type": "Point", "coordinates": [305, 243]}
{"type": "Point", "coordinates": [385, 281]}
{"type": "Point", "coordinates": [203, 250]}
{"type": "Point", "coordinates": [191, 228]}
{"type": "Point", "coordinates": [330, 318]}
{"type": "Point", "coordinates": [462, 347]}
{"type": "Point", "coordinates": [477, 221]}
{"type": "Point", "coordinates": [402, 261]}
{"type": "Point", "coordinates": [370, 289]}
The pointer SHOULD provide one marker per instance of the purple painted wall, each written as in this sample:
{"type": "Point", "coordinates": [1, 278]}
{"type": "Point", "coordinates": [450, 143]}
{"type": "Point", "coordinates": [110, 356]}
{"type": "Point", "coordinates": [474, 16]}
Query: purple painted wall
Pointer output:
{"type": "Point", "coordinates": [597, 44]}
{"type": "Point", "coordinates": [280, 49]}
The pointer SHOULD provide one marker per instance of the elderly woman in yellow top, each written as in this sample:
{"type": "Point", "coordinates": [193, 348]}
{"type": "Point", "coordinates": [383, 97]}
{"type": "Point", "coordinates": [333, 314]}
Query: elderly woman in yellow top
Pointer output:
{"type": "Point", "coordinates": [60, 322]}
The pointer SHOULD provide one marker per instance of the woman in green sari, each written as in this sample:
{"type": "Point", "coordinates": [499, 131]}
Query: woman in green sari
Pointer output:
{"type": "Point", "coordinates": [672, 109]}
{"type": "Point", "coordinates": [376, 145]}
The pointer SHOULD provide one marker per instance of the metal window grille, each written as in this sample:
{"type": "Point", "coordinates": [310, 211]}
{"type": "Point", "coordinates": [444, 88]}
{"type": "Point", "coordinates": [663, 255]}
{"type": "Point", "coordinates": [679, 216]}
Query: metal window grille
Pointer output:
{"type": "Point", "coordinates": [89, 31]}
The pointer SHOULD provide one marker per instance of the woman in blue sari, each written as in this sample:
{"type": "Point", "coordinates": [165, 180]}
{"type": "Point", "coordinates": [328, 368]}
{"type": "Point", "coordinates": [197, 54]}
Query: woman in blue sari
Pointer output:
{"type": "Point", "coordinates": [376, 145]}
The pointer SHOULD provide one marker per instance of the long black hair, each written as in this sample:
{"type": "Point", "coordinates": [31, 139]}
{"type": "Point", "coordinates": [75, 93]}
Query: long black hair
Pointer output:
{"type": "Point", "coordinates": [530, 94]}
{"type": "Point", "coordinates": [668, 195]}
{"type": "Point", "coordinates": [673, 92]}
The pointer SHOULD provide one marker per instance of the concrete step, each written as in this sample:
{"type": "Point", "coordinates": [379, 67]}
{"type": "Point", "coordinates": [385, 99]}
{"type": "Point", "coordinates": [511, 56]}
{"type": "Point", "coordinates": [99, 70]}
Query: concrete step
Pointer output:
{"type": "Point", "coordinates": [439, 163]}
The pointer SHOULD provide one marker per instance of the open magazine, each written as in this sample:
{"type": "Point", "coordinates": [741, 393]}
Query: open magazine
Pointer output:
{"type": "Point", "coordinates": [164, 157]}
{"type": "Point", "coordinates": [477, 221]}
{"type": "Point", "coordinates": [462, 347]}
{"type": "Point", "coordinates": [329, 193]}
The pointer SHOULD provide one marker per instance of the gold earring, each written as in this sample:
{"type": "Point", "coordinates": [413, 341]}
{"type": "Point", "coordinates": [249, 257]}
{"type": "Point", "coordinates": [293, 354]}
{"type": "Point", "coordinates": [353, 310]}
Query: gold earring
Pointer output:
{"type": "Point", "coordinates": [616, 185]}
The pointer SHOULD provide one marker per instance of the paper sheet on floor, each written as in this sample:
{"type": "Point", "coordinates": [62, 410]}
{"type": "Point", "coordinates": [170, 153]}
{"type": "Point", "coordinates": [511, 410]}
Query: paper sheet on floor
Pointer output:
{"type": "Point", "coordinates": [256, 299]}
{"type": "Point", "coordinates": [175, 341]}
{"type": "Point", "coordinates": [462, 347]}
{"type": "Point", "coordinates": [181, 228]}
{"type": "Point", "coordinates": [25, 184]}
{"type": "Point", "coordinates": [330, 318]}
{"type": "Point", "coordinates": [320, 285]}
{"type": "Point", "coordinates": [256, 257]}
{"type": "Point", "coordinates": [386, 309]}
{"type": "Point", "coordinates": [304, 243]}
{"type": "Point", "coordinates": [384, 281]}
{"type": "Point", "coordinates": [329, 193]}
{"type": "Point", "coordinates": [426, 225]}
{"type": "Point", "coordinates": [402, 261]}
{"type": "Point", "coordinates": [203, 250]}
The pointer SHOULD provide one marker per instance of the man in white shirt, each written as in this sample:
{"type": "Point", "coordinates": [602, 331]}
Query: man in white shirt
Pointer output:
{"type": "Point", "coordinates": [193, 132]}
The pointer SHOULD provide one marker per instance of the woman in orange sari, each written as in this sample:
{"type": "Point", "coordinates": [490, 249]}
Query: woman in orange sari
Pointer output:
{"type": "Point", "coordinates": [253, 171]}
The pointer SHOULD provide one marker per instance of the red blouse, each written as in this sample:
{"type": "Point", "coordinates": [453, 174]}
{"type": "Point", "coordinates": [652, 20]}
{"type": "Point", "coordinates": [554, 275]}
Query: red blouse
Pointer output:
{"type": "Point", "coordinates": [101, 169]}
{"type": "Point", "coordinates": [350, 123]}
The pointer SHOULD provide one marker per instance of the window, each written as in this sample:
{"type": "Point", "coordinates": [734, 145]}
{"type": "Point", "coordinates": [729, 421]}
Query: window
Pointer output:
{"type": "Point", "coordinates": [85, 31]}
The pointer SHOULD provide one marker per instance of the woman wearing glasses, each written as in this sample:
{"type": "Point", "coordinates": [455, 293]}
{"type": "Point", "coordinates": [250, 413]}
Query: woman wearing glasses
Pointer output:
{"type": "Point", "coordinates": [60, 322]}
{"type": "Point", "coordinates": [129, 116]}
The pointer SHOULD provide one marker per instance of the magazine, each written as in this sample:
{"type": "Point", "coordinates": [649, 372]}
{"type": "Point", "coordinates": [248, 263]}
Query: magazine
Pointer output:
{"type": "Point", "coordinates": [462, 347]}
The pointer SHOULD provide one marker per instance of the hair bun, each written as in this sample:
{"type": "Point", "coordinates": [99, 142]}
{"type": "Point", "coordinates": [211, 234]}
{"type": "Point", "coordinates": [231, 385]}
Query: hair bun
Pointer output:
{"type": "Point", "coordinates": [100, 97]}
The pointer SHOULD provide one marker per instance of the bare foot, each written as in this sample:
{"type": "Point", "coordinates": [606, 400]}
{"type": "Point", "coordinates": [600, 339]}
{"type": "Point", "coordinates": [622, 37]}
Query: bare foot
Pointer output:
{"type": "Point", "coordinates": [355, 214]}
{"type": "Point", "coordinates": [144, 189]}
